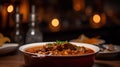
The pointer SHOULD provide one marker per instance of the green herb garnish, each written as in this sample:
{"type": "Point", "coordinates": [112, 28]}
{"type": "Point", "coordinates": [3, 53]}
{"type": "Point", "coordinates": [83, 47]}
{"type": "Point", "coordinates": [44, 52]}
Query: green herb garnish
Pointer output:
{"type": "Point", "coordinates": [61, 42]}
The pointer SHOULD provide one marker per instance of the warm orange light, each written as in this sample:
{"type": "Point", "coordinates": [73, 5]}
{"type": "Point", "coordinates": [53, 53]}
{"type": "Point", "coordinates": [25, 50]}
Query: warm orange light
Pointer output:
{"type": "Point", "coordinates": [10, 8]}
{"type": "Point", "coordinates": [55, 22]}
{"type": "Point", "coordinates": [88, 10]}
{"type": "Point", "coordinates": [24, 9]}
{"type": "Point", "coordinates": [96, 18]}
{"type": "Point", "coordinates": [54, 25]}
{"type": "Point", "coordinates": [78, 5]}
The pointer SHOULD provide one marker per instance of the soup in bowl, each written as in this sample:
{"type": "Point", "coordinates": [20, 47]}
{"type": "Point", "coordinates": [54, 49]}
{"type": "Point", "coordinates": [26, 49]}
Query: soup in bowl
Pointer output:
{"type": "Point", "coordinates": [57, 54]}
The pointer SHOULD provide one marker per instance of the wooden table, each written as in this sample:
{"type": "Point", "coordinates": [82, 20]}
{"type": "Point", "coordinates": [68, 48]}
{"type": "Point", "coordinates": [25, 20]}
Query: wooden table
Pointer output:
{"type": "Point", "coordinates": [17, 60]}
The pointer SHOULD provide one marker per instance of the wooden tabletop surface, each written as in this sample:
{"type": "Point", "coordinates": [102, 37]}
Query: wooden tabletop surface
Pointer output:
{"type": "Point", "coordinates": [17, 60]}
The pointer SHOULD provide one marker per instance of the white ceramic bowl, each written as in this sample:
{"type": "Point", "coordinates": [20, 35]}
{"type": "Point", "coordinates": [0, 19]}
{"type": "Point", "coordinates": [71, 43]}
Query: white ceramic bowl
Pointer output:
{"type": "Point", "coordinates": [8, 47]}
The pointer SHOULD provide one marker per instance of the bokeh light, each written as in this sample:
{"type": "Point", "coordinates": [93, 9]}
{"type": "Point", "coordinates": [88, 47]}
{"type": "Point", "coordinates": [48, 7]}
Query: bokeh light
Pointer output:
{"type": "Point", "coordinates": [54, 25]}
{"type": "Point", "coordinates": [55, 22]}
{"type": "Point", "coordinates": [10, 8]}
{"type": "Point", "coordinates": [96, 18]}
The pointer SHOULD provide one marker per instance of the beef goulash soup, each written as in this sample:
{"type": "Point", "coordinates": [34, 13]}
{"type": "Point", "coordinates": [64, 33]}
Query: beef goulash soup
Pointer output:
{"type": "Point", "coordinates": [60, 49]}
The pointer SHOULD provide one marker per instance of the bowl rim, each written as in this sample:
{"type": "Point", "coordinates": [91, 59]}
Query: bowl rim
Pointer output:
{"type": "Point", "coordinates": [23, 47]}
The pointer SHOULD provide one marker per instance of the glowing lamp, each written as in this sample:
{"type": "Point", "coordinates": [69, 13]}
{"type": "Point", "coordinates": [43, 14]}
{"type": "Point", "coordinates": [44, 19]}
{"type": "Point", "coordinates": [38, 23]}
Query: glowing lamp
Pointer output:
{"type": "Point", "coordinates": [10, 8]}
{"type": "Point", "coordinates": [54, 25]}
{"type": "Point", "coordinates": [55, 22]}
{"type": "Point", "coordinates": [96, 18]}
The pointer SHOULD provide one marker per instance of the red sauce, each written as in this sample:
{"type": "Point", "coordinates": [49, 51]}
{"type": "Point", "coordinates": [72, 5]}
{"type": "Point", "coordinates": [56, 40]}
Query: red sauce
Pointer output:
{"type": "Point", "coordinates": [60, 49]}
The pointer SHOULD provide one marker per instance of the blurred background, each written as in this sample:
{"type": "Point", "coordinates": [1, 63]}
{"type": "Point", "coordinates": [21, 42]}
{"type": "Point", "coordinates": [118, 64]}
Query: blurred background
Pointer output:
{"type": "Point", "coordinates": [65, 19]}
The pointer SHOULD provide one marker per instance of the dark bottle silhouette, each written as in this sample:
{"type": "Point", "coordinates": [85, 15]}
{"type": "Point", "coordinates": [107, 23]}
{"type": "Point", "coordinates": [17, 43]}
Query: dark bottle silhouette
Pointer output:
{"type": "Point", "coordinates": [34, 34]}
{"type": "Point", "coordinates": [17, 33]}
